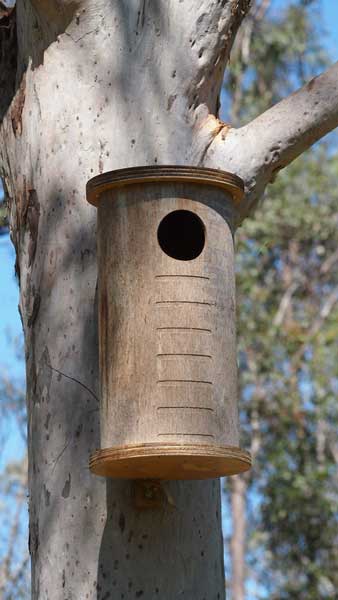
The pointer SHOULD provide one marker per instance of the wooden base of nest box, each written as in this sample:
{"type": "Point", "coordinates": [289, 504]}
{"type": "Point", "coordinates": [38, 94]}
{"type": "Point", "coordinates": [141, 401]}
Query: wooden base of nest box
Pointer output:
{"type": "Point", "coordinates": [169, 461]}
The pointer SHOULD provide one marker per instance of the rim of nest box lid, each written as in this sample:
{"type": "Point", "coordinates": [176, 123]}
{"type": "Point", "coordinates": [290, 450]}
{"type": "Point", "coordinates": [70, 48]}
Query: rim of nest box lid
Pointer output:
{"type": "Point", "coordinates": [164, 173]}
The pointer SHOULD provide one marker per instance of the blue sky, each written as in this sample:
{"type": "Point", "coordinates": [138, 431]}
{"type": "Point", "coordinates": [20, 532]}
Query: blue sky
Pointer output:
{"type": "Point", "coordinates": [10, 325]}
{"type": "Point", "coordinates": [10, 330]}
{"type": "Point", "coordinates": [330, 14]}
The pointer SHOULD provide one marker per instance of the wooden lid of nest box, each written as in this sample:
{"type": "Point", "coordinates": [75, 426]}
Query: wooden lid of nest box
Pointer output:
{"type": "Point", "coordinates": [167, 331]}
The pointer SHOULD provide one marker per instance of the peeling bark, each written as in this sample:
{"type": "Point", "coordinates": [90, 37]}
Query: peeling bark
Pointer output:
{"type": "Point", "coordinates": [17, 108]}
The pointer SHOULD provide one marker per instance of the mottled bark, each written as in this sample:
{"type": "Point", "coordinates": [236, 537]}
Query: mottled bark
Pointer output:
{"type": "Point", "coordinates": [101, 85]}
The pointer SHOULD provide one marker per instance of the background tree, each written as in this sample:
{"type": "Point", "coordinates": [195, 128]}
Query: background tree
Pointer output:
{"type": "Point", "coordinates": [284, 511]}
{"type": "Point", "coordinates": [14, 557]}
{"type": "Point", "coordinates": [102, 85]}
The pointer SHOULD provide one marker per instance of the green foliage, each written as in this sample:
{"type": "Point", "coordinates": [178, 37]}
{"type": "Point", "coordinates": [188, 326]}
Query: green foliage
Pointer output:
{"type": "Point", "coordinates": [274, 52]}
{"type": "Point", "coordinates": [287, 263]}
{"type": "Point", "coordinates": [14, 561]}
{"type": "Point", "coordinates": [288, 321]}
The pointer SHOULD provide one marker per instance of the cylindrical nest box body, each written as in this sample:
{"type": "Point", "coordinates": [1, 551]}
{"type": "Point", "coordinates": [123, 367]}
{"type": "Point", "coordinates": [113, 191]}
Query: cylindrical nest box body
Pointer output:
{"type": "Point", "coordinates": [167, 328]}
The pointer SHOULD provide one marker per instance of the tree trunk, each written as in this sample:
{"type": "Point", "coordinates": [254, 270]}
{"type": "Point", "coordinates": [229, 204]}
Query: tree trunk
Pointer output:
{"type": "Point", "coordinates": [103, 85]}
{"type": "Point", "coordinates": [106, 86]}
{"type": "Point", "coordinates": [238, 537]}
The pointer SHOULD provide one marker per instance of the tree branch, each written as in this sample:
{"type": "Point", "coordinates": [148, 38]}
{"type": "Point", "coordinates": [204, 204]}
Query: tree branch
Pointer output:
{"type": "Point", "coordinates": [257, 151]}
{"type": "Point", "coordinates": [324, 313]}
{"type": "Point", "coordinates": [211, 35]}
{"type": "Point", "coordinates": [284, 304]}
{"type": "Point", "coordinates": [241, 52]}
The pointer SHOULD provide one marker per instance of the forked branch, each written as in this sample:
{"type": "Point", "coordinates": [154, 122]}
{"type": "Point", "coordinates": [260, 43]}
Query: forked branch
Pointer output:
{"type": "Point", "coordinates": [257, 151]}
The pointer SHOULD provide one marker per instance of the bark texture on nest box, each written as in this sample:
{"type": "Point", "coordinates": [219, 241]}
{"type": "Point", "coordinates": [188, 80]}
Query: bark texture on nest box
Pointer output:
{"type": "Point", "coordinates": [167, 323]}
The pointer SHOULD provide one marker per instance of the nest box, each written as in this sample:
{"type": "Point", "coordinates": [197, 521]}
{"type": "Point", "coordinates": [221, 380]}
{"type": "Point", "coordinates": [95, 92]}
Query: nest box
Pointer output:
{"type": "Point", "coordinates": [167, 330]}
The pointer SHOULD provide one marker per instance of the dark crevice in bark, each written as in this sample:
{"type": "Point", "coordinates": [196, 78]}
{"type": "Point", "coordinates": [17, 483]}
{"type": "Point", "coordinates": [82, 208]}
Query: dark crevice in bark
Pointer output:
{"type": "Point", "coordinates": [222, 126]}
{"type": "Point", "coordinates": [8, 58]}
{"type": "Point", "coordinates": [75, 380]}
{"type": "Point", "coordinates": [40, 24]}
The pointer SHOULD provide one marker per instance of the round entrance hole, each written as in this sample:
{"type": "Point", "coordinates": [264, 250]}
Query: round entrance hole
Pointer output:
{"type": "Point", "coordinates": [181, 235]}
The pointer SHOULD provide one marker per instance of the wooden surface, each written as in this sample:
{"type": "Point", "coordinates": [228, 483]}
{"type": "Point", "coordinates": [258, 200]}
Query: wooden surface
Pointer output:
{"type": "Point", "coordinates": [167, 336]}
{"type": "Point", "coordinates": [165, 173]}
{"type": "Point", "coordinates": [170, 461]}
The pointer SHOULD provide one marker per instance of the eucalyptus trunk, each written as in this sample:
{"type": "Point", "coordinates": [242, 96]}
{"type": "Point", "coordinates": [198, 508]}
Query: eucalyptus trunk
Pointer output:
{"type": "Point", "coordinates": [102, 85]}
